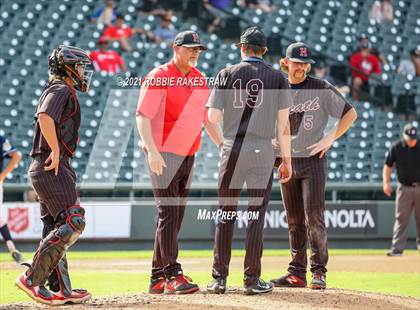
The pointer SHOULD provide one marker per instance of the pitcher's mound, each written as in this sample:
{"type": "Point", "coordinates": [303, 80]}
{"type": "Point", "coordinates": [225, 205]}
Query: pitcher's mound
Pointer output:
{"type": "Point", "coordinates": [286, 298]}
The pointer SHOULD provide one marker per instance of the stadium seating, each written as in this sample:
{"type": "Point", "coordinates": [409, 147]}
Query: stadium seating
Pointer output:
{"type": "Point", "coordinates": [109, 150]}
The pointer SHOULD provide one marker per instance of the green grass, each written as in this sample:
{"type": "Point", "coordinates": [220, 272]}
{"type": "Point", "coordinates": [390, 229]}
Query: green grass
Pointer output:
{"type": "Point", "coordinates": [102, 283]}
{"type": "Point", "coordinates": [5, 257]}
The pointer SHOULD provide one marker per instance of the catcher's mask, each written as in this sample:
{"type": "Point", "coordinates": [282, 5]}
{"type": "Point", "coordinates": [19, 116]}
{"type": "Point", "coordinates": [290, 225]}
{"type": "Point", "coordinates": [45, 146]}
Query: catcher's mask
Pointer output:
{"type": "Point", "coordinates": [65, 61]}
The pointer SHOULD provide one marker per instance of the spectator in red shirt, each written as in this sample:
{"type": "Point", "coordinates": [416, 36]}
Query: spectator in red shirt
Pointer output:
{"type": "Point", "coordinates": [107, 60]}
{"type": "Point", "coordinates": [122, 33]}
{"type": "Point", "coordinates": [363, 65]}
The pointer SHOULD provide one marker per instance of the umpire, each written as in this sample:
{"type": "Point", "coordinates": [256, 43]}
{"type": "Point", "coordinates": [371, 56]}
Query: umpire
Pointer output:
{"type": "Point", "coordinates": [248, 98]}
{"type": "Point", "coordinates": [404, 155]}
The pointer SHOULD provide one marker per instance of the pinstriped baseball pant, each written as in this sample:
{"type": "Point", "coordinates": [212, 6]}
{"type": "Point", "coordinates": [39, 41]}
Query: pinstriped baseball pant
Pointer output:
{"type": "Point", "coordinates": [304, 200]}
{"type": "Point", "coordinates": [170, 191]}
{"type": "Point", "coordinates": [55, 193]}
{"type": "Point", "coordinates": [256, 169]}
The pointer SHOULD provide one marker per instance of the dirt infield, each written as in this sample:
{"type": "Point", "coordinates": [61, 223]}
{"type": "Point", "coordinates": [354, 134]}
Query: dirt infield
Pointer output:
{"type": "Point", "coordinates": [234, 299]}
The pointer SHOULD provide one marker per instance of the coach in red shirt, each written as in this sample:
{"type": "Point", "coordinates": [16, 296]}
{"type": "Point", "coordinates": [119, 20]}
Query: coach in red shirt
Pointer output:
{"type": "Point", "coordinates": [107, 60]}
{"type": "Point", "coordinates": [365, 64]}
{"type": "Point", "coordinates": [170, 115]}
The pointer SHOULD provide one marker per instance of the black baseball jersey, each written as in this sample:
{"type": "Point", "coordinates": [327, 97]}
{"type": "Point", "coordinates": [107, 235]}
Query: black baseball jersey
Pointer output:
{"type": "Point", "coordinates": [316, 104]}
{"type": "Point", "coordinates": [61, 104]}
{"type": "Point", "coordinates": [251, 86]}
{"type": "Point", "coordinates": [406, 161]}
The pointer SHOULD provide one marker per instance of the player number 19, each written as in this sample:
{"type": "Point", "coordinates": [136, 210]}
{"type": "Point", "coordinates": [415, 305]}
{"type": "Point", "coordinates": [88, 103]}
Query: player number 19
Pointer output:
{"type": "Point", "coordinates": [254, 97]}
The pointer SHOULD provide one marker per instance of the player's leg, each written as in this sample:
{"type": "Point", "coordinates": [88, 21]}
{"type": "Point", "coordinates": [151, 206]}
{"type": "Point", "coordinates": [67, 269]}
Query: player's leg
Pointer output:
{"type": "Point", "coordinates": [259, 180]}
{"type": "Point", "coordinates": [230, 185]}
{"type": "Point", "coordinates": [313, 190]}
{"type": "Point", "coordinates": [166, 269]}
{"type": "Point", "coordinates": [405, 201]}
{"type": "Point", "coordinates": [59, 195]}
{"type": "Point", "coordinates": [5, 233]}
{"type": "Point", "coordinates": [291, 192]}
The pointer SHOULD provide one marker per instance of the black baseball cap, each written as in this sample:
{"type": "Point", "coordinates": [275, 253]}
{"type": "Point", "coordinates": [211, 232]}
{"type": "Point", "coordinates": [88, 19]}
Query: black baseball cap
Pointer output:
{"type": "Point", "coordinates": [253, 36]}
{"type": "Point", "coordinates": [299, 52]}
{"type": "Point", "coordinates": [189, 39]}
{"type": "Point", "coordinates": [410, 132]}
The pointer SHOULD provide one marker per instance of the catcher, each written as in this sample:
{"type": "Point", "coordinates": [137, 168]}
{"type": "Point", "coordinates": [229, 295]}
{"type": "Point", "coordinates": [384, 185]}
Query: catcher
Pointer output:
{"type": "Point", "coordinates": [57, 122]}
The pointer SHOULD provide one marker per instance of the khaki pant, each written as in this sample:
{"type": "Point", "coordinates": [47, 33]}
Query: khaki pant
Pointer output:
{"type": "Point", "coordinates": [407, 200]}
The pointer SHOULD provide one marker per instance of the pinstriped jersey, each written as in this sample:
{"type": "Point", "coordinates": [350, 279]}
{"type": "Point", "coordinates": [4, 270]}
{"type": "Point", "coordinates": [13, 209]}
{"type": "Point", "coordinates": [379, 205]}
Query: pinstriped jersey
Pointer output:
{"type": "Point", "coordinates": [316, 105]}
{"type": "Point", "coordinates": [251, 86]}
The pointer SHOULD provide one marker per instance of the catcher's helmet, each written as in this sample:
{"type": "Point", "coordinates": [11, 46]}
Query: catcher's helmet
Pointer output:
{"type": "Point", "coordinates": [64, 61]}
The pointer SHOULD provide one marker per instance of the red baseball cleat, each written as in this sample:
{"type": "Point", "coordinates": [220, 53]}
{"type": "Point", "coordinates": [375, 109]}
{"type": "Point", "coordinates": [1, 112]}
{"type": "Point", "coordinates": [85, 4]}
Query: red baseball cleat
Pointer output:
{"type": "Point", "coordinates": [157, 285]}
{"type": "Point", "coordinates": [180, 285]}
{"type": "Point", "coordinates": [37, 293]}
{"type": "Point", "coordinates": [289, 280]}
{"type": "Point", "coordinates": [77, 296]}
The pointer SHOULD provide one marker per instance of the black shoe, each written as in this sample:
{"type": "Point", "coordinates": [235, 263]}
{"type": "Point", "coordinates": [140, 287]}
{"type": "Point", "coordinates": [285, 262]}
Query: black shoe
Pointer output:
{"type": "Point", "coordinates": [289, 280]}
{"type": "Point", "coordinates": [258, 287]}
{"type": "Point", "coordinates": [318, 281]}
{"type": "Point", "coordinates": [217, 286]}
{"type": "Point", "coordinates": [394, 253]}
{"type": "Point", "coordinates": [17, 257]}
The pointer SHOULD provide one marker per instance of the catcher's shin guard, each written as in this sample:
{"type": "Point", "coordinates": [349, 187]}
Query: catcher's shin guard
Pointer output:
{"type": "Point", "coordinates": [59, 279]}
{"type": "Point", "coordinates": [70, 224]}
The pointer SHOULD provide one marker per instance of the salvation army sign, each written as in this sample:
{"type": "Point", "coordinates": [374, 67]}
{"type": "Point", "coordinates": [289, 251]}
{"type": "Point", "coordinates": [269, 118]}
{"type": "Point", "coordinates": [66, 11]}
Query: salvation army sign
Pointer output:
{"type": "Point", "coordinates": [25, 223]}
{"type": "Point", "coordinates": [17, 219]}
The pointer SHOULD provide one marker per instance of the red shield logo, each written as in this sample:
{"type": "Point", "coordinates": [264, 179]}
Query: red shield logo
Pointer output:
{"type": "Point", "coordinates": [18, 219]}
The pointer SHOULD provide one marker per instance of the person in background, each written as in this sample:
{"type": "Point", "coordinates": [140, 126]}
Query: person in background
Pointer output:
{"type": "Point", "coordinates": [8, 151]}
{"type": "Point", "coordinates": [382, 11]}
{"type": "Point", "coordinates": [321, 71]}
{"type": "Point", "coordinates": [217, 10]}
{"type": "Point", "coordinates": [105, 15]}
{"type": "Point", "coordinates": [264, 5]}
{"type": "Point", "coordinates": [165, 32]}
{"type": "Point", "coordinates": [107, 60]}
{"type": "Point", "coordinates": [410, 66]}
{"type": "Point", "coordinates": [364, 64]}
{"type": "Point", "coordinates": [122, 33]}
{"type": "Point", "coordinates": [404, 155]}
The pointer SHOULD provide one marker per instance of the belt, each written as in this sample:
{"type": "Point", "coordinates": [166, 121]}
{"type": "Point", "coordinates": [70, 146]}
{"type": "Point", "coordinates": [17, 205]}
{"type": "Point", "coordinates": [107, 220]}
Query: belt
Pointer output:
{"type": "Point", "coordinates": [63, 157]}
{"type": "Point", "coordinates": [414, 184]}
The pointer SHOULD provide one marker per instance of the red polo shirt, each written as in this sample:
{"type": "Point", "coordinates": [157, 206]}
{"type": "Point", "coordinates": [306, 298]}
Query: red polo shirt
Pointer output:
{"type": "Point", "coordinates": [109, 61]}
{"type": "Point", "coordinates": [176, 106]}
{"type": "Point", "coordinates": [368, 65]}
{"type": "Point", "coordinates": [117, 33]}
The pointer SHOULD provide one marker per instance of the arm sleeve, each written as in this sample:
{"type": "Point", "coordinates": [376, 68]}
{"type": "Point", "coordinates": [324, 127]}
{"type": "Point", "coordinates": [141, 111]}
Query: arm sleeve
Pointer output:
{"type": "Point", "coordinates": [151, 96]}
{"type": "Point", "coordinates": [54, 102]}
{"type": "Point", "coordinates": [218, 94]}
{"type": "Point", "coordinates": [390, 156]}
{"type": "Point", "coordinates": [337, 106]}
